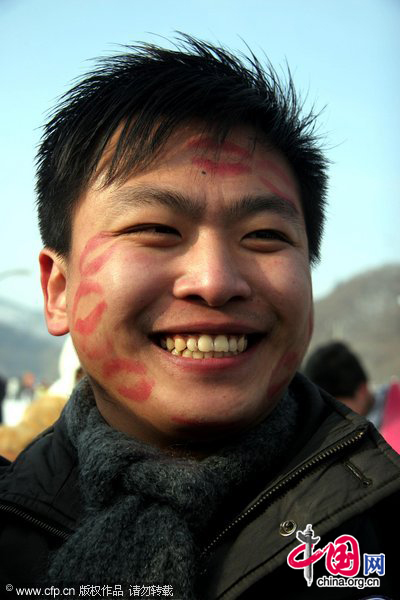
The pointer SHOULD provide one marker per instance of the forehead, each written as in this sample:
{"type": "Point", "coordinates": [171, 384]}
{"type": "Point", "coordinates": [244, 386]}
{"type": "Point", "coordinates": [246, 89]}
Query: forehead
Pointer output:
{"type": "Point", "coordinates": [241, 152]}
{"type": "Point", "coordinates": [211, 172]}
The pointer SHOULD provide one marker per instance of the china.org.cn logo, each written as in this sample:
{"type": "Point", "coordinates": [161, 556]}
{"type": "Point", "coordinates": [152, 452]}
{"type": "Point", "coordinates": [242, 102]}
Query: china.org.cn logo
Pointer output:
{"type": "Point", "coordinates": [342, 561]}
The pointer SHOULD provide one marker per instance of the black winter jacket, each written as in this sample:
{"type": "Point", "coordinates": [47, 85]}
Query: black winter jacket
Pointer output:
{"type": "Point", "coordinates": [341, 477]}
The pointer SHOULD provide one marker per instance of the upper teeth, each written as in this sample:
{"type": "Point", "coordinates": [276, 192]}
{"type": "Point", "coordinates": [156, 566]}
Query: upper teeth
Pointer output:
{"type": "Point", "coordinates": [204, 345]}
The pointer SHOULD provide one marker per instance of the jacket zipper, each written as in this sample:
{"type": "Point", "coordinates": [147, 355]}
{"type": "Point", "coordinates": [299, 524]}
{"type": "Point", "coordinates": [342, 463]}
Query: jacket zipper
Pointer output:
{"type": "Point", "coordinates": [42, 524]}
{"type": "Point", "coordinates": [316, 460]}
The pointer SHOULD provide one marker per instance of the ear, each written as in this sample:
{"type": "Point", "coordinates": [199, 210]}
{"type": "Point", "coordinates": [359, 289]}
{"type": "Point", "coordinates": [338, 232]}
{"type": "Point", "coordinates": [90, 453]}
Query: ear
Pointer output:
{"type": "Point", "coordinates": [53, 280]}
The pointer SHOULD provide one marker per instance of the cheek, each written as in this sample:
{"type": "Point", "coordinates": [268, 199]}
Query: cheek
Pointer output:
{"type": "Point", "coordinates": [89, 324]}
{"type": "Point", "coordinates": [286, 285]}
{"type": "Point", "coordinates": [293, 302]}
{"type": "Point", "coordinates": [310, 323]}
{"type": "Point", "coordinates": [283, 373]}
{"type": "Point", "coordinates": [135, 281]}
{"type": "Point", "coordinates": [113, 287]}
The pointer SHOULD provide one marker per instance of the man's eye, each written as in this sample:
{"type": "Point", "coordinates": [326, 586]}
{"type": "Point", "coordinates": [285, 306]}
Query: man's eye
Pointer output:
{"type": "Point", "coordinates": [152, 235]}
{"type": "Point", "coordinates": [153, 229]}
{"type": "Point", "coordinates": [267, 234]}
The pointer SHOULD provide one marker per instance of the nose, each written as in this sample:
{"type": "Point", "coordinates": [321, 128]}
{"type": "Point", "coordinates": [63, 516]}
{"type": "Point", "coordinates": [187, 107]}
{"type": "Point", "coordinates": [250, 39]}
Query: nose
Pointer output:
{"type": "Point", "coordinates": [210, 273]}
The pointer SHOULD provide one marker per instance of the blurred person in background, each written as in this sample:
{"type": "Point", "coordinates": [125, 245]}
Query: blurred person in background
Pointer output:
{"type": "Point", "coordinates": [45, 408]}
{"type": "Point", "coordinates": [181, 199]}
{"type": "Point", "coordinates": [338, 370]}
{"type": "Point", "coordinates": [27, 387]}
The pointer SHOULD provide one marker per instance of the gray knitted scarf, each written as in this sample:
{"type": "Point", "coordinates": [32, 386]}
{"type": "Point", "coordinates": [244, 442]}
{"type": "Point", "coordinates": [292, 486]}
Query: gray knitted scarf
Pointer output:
{"type": "Point", "coordinates": [145, 511]}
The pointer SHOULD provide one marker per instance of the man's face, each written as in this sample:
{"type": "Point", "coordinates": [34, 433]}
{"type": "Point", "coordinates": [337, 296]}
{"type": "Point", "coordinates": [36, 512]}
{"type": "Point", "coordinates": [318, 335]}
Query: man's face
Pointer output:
{"type": "Point", "coordinates": [188, 291]}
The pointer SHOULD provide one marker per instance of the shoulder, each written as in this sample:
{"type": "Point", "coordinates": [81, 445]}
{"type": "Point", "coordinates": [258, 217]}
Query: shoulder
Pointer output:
{"type": "Point", "coordinates": [43, 479]}
{"type": "Point", "coordinates": [341, 477]}
{"type": "Point", "coordinates": [39, 504]}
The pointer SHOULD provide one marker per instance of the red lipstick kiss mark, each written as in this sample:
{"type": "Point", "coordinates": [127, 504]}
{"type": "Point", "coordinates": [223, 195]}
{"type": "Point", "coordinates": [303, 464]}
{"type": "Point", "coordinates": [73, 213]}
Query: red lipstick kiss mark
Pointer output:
{"type": "Point", "coordinates": [269, 165]}
{"type": "Point", "coordinates": [84, 289]}
{"type": "Point", "coordinates": [118, 365]}
{"type": "Point", "coordinates": [97, 352]}
{"type": "Point", "coordinates": [92, 244]}
{"type": "Point", "coordinates": [275, 190]}
{"type": "Point", "coordinates": [221, 168]}
{"type": "Point", "coordinates": [92, 353]}
{"type": "Point", "coordinates": [97, 263]}
{"type": "Point", "coordinates": [137, 393]}
{"type": "Point", "coordinates": [88, 325]}
{"type": "Point", "coordinates": [207, 143]}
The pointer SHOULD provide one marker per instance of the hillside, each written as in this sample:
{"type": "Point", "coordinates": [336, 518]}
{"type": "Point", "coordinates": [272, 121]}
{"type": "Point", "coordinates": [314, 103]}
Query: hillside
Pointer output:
{"type": "Point", "coordinates": [25, 344]}
{"type": "Point", "coordinates": [365, 313]}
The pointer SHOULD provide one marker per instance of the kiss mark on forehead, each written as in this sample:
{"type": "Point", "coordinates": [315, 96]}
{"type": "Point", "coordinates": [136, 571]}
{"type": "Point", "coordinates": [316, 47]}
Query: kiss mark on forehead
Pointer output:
{"type": "Point", "coordinates": [276, 190]}
{"type": "Point", "coordinates": [208, 143]}
{"type": "Point", "coordinates": [224, 166]}
{"type": "Point", "coordinates": [270, 166]}
{"type": "Point", "coordinates": [221, 168]}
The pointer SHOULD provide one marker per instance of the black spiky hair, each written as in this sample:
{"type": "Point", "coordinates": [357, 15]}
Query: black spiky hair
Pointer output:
{"type": "Point", "coordinates": [146, 92]}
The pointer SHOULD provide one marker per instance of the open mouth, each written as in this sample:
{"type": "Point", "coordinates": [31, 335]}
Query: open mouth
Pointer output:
{"type": "Point", "coordinates": [206, 346]}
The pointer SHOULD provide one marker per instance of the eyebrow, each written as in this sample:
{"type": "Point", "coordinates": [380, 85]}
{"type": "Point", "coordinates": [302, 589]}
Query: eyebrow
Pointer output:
{"type": "Point", "coordinates": [194, 208]}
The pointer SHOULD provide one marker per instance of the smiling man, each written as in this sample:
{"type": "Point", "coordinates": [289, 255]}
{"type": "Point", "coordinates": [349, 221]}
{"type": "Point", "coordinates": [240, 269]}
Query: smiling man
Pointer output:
{"type": "Point", "coordinates": [181, 204]}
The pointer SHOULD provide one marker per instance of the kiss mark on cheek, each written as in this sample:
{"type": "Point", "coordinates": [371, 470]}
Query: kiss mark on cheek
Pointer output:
{"type": "Point", "coordinates": [221, 168]}
{"type": "Point", "coordinates": [93, 353]}
{"type": "Point", "coordinates": [139, 392]}
{"type": "Point", "coordinates": [97, 240]}
{"type": "Point", "coordinates": [84, 289]}
{"type": "Point", "coordinates": [88, 325]}
{"type": "Point", "coordinates": [97, 263]}
{"type": "Point", "coordinates": [125, 365]}
{"type": "Point", "coordinates": [96, 351]}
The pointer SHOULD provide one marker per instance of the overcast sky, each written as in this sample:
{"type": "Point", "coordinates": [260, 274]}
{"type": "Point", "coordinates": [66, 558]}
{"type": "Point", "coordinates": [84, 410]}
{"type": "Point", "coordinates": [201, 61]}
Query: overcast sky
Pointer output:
{"type": "Point", "coordinates": [343, 54]}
